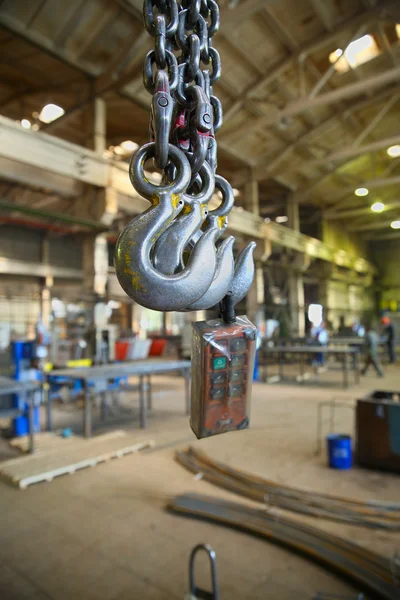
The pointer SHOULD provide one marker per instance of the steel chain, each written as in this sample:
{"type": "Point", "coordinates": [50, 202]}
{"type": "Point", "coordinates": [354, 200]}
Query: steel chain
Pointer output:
{"type": "Point", "coordinates": [184, 110]}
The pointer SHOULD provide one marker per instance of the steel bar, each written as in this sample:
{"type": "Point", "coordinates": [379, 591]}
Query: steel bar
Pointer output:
{"type": "Point", "coordinates": [372, 572]}
{"type": "Point", "coordinates": [368, 514]}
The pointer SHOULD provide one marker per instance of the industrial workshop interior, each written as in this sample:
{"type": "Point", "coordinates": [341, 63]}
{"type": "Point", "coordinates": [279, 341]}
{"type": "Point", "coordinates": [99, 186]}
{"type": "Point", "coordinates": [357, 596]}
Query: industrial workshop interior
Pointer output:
{"type": "Point", "coordinates": [199, 299]}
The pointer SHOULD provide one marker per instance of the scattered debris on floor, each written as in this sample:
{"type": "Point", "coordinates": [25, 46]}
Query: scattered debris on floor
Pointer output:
{"type": "Point", "coordinates": [57, 455]}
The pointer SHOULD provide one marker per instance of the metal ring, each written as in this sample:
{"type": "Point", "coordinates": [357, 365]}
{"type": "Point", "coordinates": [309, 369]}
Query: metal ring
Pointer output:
{"type": "Point", "coordinates": [159, 46]}
{"type": "Point", "coordinates": [149, 190]}
{"type": "Point", "coordinates": [214, 14]}
{"type": "Point", "coordinates": [216, 65]}
{"type": "Point", "coordinates": [199, 28]}
{"type": "Point", "coordinates": [193, 61]}
{"type": "Point", "coordinates": [207, 188]}
{"type": "Point", "coordinates": [149, 22]}
{"type": "Point", "coordinates": [217, 112]}
{"type": "Point", "coordinates": [193, 12]}
{"type": "Point", "coordinates": [228, 199]}
{"type": "Point", "coordinates": [172, 65]}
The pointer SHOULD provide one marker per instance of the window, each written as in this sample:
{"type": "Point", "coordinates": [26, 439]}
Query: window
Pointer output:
{"type": "Point", "coordinates": [357, 53]}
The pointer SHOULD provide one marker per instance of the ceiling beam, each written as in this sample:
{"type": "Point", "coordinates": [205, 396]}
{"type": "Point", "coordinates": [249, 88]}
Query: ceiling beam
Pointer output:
{"type": "Point", "coordinates": [111, 79]}
{"type": "Point", "coordinates": [268, 163]}
{"type": "Point", "coordinates": [304, 50]}
{"type": "Point", "coordinates": [377, 224]}
{"type": "Point", "coordinates": [348, 152]}
{"type": "Point", "coordinates": [324, 13]}
{"type": "Point", "coordinates": [43, 43]}
{"type": "Point", "coordinates": [328, 98]}
{"type": "Point", "coordinates": [358, 212]}
{"type": "Point", "coordinates": [382, 237]}
{"type": "Point", "coordinates": [230, 17]}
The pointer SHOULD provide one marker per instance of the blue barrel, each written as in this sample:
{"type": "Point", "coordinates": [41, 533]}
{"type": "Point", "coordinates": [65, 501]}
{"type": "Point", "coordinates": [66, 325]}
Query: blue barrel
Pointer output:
{"type": "Point", "coordinates": [340, 453]}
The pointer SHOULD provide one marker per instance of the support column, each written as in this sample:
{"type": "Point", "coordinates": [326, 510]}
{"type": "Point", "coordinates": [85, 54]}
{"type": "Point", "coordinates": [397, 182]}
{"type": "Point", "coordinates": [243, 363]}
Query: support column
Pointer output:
{"type": "Point", "coordinates": [100, 123]}
{"type": "Point", "coordinates": [296, 300]}
{"type": "Point", "coordinates": [45, 294]}
{"type": "Point", "coordinates": [293, 213]}
{"type": "Point", "coordinates": [95, 264]}
{"type": "Point", "coordinates": [95, 125]}
{"type": "Point", "coordinates": [251, 195]}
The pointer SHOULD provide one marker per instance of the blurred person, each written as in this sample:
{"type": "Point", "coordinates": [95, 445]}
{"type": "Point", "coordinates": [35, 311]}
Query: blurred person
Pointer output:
{"type": "Point", "coordinates": [372, 351]}
{"type": "Point", "coordinates": [321, 335]}
{"type": "Point", "coordinates": [389, 333]}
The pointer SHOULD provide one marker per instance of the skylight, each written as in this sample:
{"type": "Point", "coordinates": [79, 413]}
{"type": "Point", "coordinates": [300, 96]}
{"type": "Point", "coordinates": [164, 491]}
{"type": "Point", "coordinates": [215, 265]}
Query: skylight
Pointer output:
{"type": "Point", "coordinates": [357, 53]}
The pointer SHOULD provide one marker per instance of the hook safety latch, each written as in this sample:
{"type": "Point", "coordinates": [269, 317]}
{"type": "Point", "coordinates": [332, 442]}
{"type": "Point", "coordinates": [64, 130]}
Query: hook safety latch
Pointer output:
{"type": "Point", "coordinates": [162, 107]}
{"type": "Point", "coordinates": [196, 592]}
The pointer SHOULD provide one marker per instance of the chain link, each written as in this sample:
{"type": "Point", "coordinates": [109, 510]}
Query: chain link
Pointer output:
{"type": "Point", "coordinates": [179, 73]}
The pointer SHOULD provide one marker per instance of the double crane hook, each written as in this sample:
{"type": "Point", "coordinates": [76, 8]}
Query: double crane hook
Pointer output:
{"type": "Point", "coordinates": [149, 256]}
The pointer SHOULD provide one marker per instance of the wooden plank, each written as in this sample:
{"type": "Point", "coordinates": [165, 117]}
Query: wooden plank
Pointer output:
{"type": "Point", "coordinates": [59, 456]}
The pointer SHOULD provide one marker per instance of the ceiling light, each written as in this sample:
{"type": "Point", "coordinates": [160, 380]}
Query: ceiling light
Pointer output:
{"type": "Point", "coordinates": [378, 207]}
{"type": "Point", "coordinates": [50, 113]}
{"type": "Point", "coordinates": [395, 224]}
{"type": "Point", "coordinates": [129, 146]}
{"type": "Point", "coordinates": [118, 150]}
{"type": "Point", "coordinates": [394, 151]}
{"type": "Point", "coordinates": [236, 192]}
{"type": "Point", "coordinates": [361, 191]}
{"type": "Point", "coordinates": [26, 124]}
{"type": "Point", "coordinates": [282, 219]}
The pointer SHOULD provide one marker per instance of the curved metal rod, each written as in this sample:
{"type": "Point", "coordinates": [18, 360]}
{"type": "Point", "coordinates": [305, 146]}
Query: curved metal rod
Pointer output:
{"type": "Point", "coordinates": [135, 272]}
{"type": "Point", "coordinates": [168, 251]}
{"type": "Point", "coordinates": [244, 273]}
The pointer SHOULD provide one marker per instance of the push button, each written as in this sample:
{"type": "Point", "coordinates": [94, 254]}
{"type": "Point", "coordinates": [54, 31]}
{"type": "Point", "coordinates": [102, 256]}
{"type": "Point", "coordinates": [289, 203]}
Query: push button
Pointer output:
{"type": "Point", "coordinates": [219, 363]}
{"type": "Point", "coordinates": [218, 378]}
{"type": "Point", "coordinates": [236, 376]}
{"type": "Point", "coordinates": [238, 345]}
{"type": "Point", "coordinates": [217, 393]}
{"type": "Point", "coordinates": [237, 361]}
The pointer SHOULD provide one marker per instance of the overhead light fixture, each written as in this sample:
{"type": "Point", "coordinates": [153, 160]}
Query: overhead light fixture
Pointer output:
{"type": "Point", "coordinates": [395, 224]}
{"type": "Point", "coordinates": [50, 113]}
{"type": "Point", "coordinates": [236, 192]}
{"type": "Point", "coordinates": [282, 219]}
{"type": "Point", "coordinates": [25, 124]}
{"type": "Point", "coordinates": [357, 53]}
{"type": "Point", "coordinates": [393, 151]}
{"type": "Point", "coordinates": [129, 146]}
{"type": "Point", "coordinates": [361, 191]}
{"type": "Point", "coordinates": [378, 207]}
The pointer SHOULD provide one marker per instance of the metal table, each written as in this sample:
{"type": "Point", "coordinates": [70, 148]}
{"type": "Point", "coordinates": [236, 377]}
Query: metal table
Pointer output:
{"type": "Point", "coordinates": [27, 390]}
{"type": "Point", "coordinates": [341, 352]}
{"type": "Point", "coordinates": [105, 373]}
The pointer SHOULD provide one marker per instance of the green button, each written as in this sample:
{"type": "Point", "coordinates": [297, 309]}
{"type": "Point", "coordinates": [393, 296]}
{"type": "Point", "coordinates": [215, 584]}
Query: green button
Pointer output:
{"type": "Point", "coordinates": [219, 363]}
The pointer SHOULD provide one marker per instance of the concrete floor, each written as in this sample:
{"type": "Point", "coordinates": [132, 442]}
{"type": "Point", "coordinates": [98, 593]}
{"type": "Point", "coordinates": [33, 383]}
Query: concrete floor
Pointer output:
{"type": "Point", "coordinates": [103, 534]}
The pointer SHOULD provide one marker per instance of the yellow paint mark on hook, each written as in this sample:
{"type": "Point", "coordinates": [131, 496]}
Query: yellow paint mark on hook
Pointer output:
{"type": "Point", "coordinates": [135, 280]}
{"type": "Point", "coordinates": [187, 209]}
{"type": "Point", "coordinates": [221, 221]}
{"type": "Point", "coordinates": [175, 199]}
{"type": "Point", "coordinates": [155, 200]}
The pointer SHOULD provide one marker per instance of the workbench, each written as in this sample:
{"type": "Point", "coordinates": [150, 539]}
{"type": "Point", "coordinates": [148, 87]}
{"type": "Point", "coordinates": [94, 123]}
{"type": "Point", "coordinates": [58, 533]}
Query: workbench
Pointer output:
{"type": "Point", "coordinates": [97, 379]}
{"type": "Point", "coordinates": [343, 353]}
{"type": "Point", "coordinates": [27, 391]}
